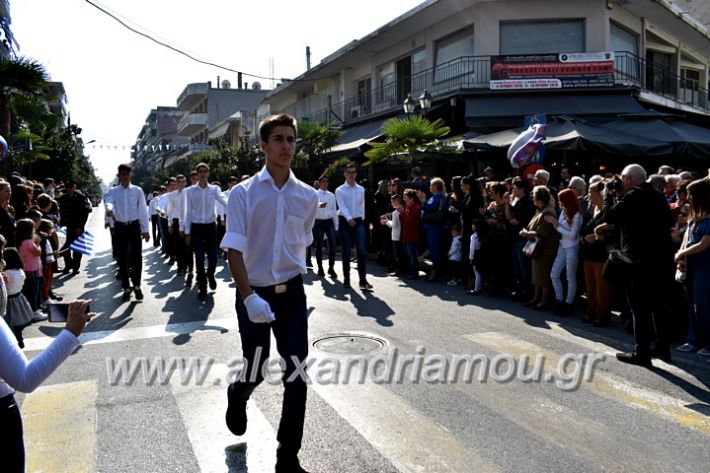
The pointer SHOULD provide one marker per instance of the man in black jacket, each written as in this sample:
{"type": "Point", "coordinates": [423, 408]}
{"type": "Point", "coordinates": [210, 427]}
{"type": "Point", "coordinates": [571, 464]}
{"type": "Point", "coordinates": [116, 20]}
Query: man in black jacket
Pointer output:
{"type": "Point", "coordinates": [643, 218]}
{"type": "Point", "coordinates": [74, 209]}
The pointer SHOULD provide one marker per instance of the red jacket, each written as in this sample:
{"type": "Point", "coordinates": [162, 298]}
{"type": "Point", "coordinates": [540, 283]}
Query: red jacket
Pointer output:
{"type": "Point", "coordinates": [410, 223]}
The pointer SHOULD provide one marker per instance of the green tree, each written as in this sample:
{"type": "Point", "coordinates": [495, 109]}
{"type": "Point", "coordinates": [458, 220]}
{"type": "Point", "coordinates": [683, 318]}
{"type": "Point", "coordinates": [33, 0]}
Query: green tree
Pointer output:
{"type": "Point", "coordinates": [314, 140]}
{"type": "Point", "coordinates": [23, 77]}
{"type": "Point", "coordinates": [408, 139]}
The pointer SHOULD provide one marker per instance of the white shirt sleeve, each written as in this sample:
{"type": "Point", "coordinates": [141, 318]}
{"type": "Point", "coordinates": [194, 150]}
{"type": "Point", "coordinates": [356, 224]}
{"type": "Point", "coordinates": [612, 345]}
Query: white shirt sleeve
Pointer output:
{"type": "Point", "coordinates": [24, 375]}
{"type": "Point", "coordinates": [236, 236]}
{"type": "Point", "coordinates": [142, 211]}
{"type": "Point", "coordinates": [342, 199]}
{"type": "Point", "coordinates": [310, 220]}
{"type": "Point", "coordinates": [186, 221]}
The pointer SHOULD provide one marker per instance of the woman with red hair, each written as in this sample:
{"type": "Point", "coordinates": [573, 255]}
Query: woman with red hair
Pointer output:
{"type": "Point", "coordinates": [568, 225]}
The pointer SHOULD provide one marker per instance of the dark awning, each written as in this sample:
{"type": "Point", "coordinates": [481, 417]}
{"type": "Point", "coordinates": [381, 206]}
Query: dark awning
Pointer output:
{"type": "Point", "coordinates": [358, 135]}
{"type": "Point", "coordinates": [688, 140]}
{"type": "Point", "coordinates": [513, 106]}
{"type": "Point", "coordinates": [569, 135]}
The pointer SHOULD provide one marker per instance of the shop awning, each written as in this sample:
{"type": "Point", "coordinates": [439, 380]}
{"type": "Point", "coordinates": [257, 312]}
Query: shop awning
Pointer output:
{"type": "Point", "coordinates": [358, 135]}
{"type": "Point", "coordinates": [514, 106]}
{"type": "Point", "coordinates": [220, 130]}
{"type": "Point", "coordinates": [687, 139]}
{"type": "Point", "coordinates": [570, 135]}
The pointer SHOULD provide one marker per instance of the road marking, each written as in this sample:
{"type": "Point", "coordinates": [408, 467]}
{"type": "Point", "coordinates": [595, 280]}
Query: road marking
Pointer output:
{"type": "Point", "coordinates": [608, 385]}
{"type": "Point", "coordinates": [202, 409]}
{"type": "Point", "coordinates": [140, 333]}
{"type": "Point", "coordinates": [404, 436]}
{"type": "Point", "coordinates": [60, 428]}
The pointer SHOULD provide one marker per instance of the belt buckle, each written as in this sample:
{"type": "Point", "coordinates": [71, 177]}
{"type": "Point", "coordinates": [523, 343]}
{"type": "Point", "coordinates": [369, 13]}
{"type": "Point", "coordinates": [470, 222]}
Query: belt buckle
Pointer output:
{"type": "Point", "coordinates": [280, 288]}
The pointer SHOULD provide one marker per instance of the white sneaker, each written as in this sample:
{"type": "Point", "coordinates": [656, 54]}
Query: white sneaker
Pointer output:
{"type": "Point", "coordinates": [39, 316]}
{"type": "Point", "coordinates": [704, 352]}
{"type": "Point", "coordinates": [687, 348]}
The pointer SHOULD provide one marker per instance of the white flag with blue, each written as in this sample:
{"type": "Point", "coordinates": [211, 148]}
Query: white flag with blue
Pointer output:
{"type": "Point", "coordinates": [84, 244]}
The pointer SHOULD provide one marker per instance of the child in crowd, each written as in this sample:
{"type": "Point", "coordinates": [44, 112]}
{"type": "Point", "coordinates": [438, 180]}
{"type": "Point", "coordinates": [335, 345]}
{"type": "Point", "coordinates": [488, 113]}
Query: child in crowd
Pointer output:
{"type": "Point", "coordinates": [392, 220]}
{"type": "Point", "coordinates": [409, 216]}
{"type": "Point", "coordinates": [46, 233]}
{"type": "Point", "coordinates": [30, 252]}
{"type": "Point", "coordinates": [455, 255]}
{"type": "Point", "coordinates": [474, 287]}
{"type": "Point", "coordinates": [18, 314]}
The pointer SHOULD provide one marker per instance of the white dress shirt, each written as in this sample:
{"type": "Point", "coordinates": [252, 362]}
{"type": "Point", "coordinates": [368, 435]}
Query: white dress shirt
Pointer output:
{"type": "Point", "coordinates": [199, 205]}
{"type": "Point", "coordinates": [351, 201]}
{"type": "Point", "coordinates": [174, 205]}
{"type": "Point", "coordinates": [455, 250]}
{"type": "Point", "coordinates": [396, 225]}
{"type": "Point", "coordinates": [16, 372]}
{"type": "Point", "coordinates": [128, 204]}
{"type": "Point", "coordinates": [152, 206]}
{"type": "Point", "coordinates": [331, 208]}
{"type": "Point", "coordinates": [271, 227]}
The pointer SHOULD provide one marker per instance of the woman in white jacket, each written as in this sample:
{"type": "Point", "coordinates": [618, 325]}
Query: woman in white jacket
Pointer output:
{"type": "Point", "coordinates": [568, 225]}
{"type": "Point", "coordinates": [17, 373]}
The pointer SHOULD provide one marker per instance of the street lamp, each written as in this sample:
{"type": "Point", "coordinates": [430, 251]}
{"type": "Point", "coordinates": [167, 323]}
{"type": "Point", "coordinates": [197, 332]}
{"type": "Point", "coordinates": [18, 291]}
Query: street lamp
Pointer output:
{"type": "Point", "coordinates": [410, 105]}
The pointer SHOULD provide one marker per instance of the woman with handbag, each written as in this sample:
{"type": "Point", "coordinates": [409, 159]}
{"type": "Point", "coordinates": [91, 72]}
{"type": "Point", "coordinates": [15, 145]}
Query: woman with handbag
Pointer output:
{"type": "Point", "coordinates": [545, 249]}
{"type": "Point", "coordinates": [434, 213]}
{"type": "Point", "coordinates": [695, 253]}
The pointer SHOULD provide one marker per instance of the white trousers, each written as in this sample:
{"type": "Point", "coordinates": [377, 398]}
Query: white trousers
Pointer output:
{"type": "Point", "coordinates": [566, 259]}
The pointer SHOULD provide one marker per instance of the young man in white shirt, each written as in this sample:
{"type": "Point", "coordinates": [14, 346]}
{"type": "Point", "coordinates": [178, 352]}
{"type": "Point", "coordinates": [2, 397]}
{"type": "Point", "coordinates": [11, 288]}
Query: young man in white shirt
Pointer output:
{"type": "Point", "coordinates": [200, 227]}
{"type": "Point", "coordinates": [326, 223]}
{"type": "Point", "coordinates": [126, 204]}
{"type": "Point", "coordinates": [154, 217]}
{"type": "Point", "coordinates": [351, 211]}
{"type": "Point", "coordinates": [270, 221]}
{"type": "Point", "coordinates": [183, 254]}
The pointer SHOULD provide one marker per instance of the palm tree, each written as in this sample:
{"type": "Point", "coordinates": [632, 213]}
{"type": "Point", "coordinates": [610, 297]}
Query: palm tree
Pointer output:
{"type": "Point", "coordinates": [314, 139]}
{"type": "Point", "coordinates": [406, 137]}
{"type": "Point", "coordinates": [22, 76]}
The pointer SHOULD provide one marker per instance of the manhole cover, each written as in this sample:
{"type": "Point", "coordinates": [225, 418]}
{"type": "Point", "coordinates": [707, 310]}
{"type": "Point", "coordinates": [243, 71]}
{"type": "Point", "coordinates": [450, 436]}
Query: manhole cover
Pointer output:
{"type": "Point", "coordinates": [349, 344]}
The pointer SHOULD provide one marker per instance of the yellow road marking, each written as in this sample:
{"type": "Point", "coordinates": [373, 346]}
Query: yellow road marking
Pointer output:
{"type": "Point", "coordinates": [60, 428]}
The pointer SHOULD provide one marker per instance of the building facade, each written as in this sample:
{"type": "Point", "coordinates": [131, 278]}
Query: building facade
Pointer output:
{"type": "Point", "coordinates": [8, 46]}
{"type": "Point", "coordinates": [158, 139]}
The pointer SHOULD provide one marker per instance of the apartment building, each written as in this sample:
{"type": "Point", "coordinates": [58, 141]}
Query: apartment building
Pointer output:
{"type": "Point", "coordinates": [158, 139]}
{"type": "Point", "coordinates": [489, 64]}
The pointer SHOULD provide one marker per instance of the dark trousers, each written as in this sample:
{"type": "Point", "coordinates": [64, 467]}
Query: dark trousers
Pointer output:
{"type": "Point", "coordinates": [203, 238]}
{"type": "Point", "coordinates": [291, 333]}
{"type": "Point", "coordinates": [348, 236]}
{"type": "Point", "coordinates": [434, 236]}
{"type": "Point", "coordinates": [129, 247]}
{"type": "Point", "coordinates": [32, 288]}
{"type": "Point", "coordinates": [183, 253]}
{"type": "Point", "coordinates": [523, 267]}
{"type": "Point", "coordinates": [154, 224]}
{"type": "Point", "coordinates": [412, 258]}
{"type": "Point", "coordinates": [12, 448]}
{"type": "Point", "coordinates": [398, 255]}
{"type": "Point", "coordinates": [72, 259]}
{"type": "Point", "coordinates": [327, 228]}
{"type": "Point", "coordinates": [647, 297]}
{"type": "Point", "coordinates": [165, 237]}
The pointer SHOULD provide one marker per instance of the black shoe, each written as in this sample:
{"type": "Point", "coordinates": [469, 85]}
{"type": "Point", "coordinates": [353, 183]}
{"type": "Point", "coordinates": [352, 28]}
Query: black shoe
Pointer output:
{"type": "Point", "coordinates": [662, 353]}
{"type": "Point", "coordinates": [212, 282]}
{"type": "Point", "coordinates": [202, 293]}
{"type": "Point", "coordinates": [563, 309]}
{"type": "Point", "coordinates": [180, 272]}
{"type": "Point", "coordinates": [188, 281]}
{"type": "Point", "coordinates": [634, 358]}
{"type": "Point", "coordinates": [236, 416]}
{"type": "Point", "coordinates": [321, 273]}
{"type": "Point", "coordinates": [74, 272]}
{"type": "Point", "coordinates": [66, 270]}
{"type": "Point", "coordinates": [309, 264]}
{"type": "Point", "coordinates": [139, 293]}
{"type": "Point", "coordinates": [365, 286]}
{"type": "Point", "coordinates": [127, 294]}
{"type": "Point", "coordinates": [288, 464]}
{"type": "Point", "coordinates": [346, 284]}
{"type": "Point", "coordinates": [332, 273]}
{"type": "Point", "coordinates": [52, 295]}
{"type": "Point", "coordinates": [171, 261]}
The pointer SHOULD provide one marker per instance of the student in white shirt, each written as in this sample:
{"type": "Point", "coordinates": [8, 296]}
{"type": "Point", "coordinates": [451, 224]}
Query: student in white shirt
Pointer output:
{"type": "Point", "coordinates": [351, 211]}
{"type": "Point", "coordinates": [326, 224]}
{"type": "Point", "coordinates": [270, 221]}
{"type": "Point", "coordinates": [455, 255]}
{"type": "Point", "coordinates": [392, 221]}
{"type": "Point", "coordinates": [200, 227]}
{"type": "Point", "coordinates": [126, 204]}
{"type": "Point", "coordinates": [183, 253]}
{"type": "Point", "coordinates": [154, 218]}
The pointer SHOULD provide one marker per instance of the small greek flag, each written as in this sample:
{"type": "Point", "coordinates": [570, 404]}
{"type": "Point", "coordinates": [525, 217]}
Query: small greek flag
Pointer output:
{"type": "Point", "coordinates": [84, 244]}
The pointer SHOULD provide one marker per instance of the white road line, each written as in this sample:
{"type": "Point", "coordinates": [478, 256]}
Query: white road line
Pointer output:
{"type": "Point", "coordinates": [202, 409]}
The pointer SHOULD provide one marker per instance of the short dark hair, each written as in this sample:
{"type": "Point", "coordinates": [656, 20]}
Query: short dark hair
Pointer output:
{"type": "Point", "coordinates": [12, 258]}
{"type": "Point", "coordinates": [396, 198]}
{"type": "Point", "coordinates": [201, 165]}
{"type": "Point", "coordinates": [125, 167]}
{"type": "Point", "coordinates": [521, 183]}
{"type": "Point", "coordinates": [171, 179]}
{"type": "Point", "coordinates": [268, 124]}
{"type": "Point", "coordinates": [180, 176]}
{"type": "Point", "coordinates": [232, 179]}
{"type": "Point", "coordinates": [350, 165]}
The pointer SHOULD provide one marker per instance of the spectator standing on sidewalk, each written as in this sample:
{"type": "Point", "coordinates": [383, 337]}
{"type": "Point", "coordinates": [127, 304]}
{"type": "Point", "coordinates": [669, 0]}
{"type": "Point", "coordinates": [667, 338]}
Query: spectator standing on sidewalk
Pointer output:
{"type": "Point", "coordinates": [126, 204]}
{"type": "Point", "coordinates": [270, 220]}
{"type": "Point", "coordinates": [74, 209]}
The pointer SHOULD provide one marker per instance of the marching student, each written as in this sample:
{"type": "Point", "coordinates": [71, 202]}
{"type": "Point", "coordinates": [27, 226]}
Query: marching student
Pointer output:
{"type": "Point", "coordinates": [351, 211]}
{"type": "Point", "coordinates": [126, 204]}
{"type": "Point", "coordinates": [270, 220]}
{"type": "Point", "coordinates": [326, 224]}
{"type": "Point", "coordinates": [175, 206]}
{"type": "Point", "coordinates": [154, 217]}
{"type": "Point", "coordinates": [200, 227]}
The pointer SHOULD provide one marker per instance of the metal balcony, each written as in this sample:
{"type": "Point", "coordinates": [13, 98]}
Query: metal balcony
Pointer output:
{"type": "Point", "coordinates": [191, 124]}
{"type": "Point", "coordinates": [192, 95]}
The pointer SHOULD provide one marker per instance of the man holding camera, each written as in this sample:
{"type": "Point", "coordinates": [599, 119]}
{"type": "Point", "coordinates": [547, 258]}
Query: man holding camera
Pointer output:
{"type": "Point", "coordinates": [270, 220]}
{"type": "Point", "coordinates": [642, 217]}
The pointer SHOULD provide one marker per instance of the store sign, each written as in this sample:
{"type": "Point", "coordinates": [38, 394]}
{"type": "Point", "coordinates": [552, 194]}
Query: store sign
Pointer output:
{"type": "Point", "coordinates": [552, 71]}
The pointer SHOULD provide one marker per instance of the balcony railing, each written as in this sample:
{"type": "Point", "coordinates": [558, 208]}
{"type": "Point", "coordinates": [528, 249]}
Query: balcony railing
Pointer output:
{"type": "Point", "coordinates": [473, 73]}
{"type": "Point", "coordinates": [191, 124]}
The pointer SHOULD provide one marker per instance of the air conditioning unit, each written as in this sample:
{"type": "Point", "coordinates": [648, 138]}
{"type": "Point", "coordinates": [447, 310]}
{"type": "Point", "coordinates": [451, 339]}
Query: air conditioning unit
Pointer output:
{"type": "Point", "coordinates": [356, 111]}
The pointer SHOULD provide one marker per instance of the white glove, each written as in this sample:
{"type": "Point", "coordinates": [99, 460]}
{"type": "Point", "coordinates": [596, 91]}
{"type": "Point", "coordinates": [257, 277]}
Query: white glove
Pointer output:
{"type": "Point", "coordinates": [258, 309]}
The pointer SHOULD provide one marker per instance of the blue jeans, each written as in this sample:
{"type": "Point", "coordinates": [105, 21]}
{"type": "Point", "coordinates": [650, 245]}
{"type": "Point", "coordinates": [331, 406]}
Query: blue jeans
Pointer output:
{"type": "Point", "coordinates": [291, 333]}
{"type": "Point", "coordinates": [434, 234]}
{"type": "Point", "coordinates": [412, 258]}
{"type": "Point", "coordinates": [697, 288]}
{"type": "Point", "coordinates": [327, 228]}
{"type": "Point", "coordinates": [349, 234]}
{"type": "Point", "coordinates": [204, 241]}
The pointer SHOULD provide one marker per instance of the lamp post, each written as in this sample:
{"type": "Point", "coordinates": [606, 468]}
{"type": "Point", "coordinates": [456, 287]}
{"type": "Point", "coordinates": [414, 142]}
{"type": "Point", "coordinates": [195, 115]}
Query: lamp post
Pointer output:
{"type": "Point", "coordinates": [424, 102]}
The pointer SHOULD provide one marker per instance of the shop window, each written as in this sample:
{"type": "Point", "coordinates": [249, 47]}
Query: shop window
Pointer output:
{"type": "Point", "coordinates": [452, 47]}
{"type": "Point", "coordinates": [542, 37]}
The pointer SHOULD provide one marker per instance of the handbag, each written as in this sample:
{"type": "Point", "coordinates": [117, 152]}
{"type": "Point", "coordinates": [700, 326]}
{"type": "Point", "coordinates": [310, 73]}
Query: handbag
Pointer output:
{"type": "Point", "coordinates": [619, 267]}
{"type": "Point", "coordinates": [531, 248]}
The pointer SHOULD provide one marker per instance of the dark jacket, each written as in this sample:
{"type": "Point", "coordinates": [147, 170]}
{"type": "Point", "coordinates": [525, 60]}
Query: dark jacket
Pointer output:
{"type": "Point", "coordinates": [643, 219]}
{"type": "Point", "coordinates": [7, 227]}
{"type": "Point", "coordinates": [74, 210]}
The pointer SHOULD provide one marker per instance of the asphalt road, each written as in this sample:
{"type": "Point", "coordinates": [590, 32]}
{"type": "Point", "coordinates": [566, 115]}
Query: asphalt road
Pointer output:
{"type": "Point", "coordinates": [424, 418]}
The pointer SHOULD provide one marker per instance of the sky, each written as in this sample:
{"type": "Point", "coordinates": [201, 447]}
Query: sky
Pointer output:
{"type": "Point", "coordinates": [113, 77]}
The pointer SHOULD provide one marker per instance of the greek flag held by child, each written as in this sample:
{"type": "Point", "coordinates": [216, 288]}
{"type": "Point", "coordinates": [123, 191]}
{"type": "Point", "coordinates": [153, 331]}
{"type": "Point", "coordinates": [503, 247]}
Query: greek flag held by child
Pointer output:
{"type": "Point", "coordinates": [84, 244]}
